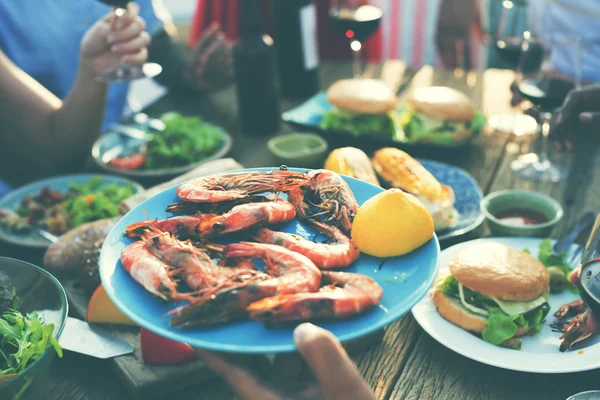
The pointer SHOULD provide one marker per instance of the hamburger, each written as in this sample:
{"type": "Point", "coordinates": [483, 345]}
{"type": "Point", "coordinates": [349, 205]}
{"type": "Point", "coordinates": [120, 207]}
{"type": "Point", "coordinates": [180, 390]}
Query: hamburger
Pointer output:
{"type": "Point", "coordinates": [361, 106]}
{"type": "Point", "coordinates": [440, 115]}
{"type": "Point", "coordinates": [494, 291]}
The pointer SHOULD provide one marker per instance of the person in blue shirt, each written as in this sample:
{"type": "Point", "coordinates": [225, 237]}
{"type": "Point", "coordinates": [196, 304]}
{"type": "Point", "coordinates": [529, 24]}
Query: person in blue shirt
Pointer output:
{"type": "Point", "coordinates": [42, 38]}
{"type": "Point", "coordinates": [41, 134]}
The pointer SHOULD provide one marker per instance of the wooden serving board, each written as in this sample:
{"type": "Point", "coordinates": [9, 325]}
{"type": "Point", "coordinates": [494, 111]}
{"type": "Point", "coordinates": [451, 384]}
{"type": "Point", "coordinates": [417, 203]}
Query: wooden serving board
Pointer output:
{"type": "Point", "coordinates": [143, 381]}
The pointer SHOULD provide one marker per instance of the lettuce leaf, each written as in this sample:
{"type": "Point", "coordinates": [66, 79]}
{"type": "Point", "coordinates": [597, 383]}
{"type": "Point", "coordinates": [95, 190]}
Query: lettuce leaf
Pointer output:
{"type": "Point", "coordinates": [359, 124]}
{"type": "Point", "coordinates": [419, 128]}
{"type": "Point", "coordinates": [500, 326]}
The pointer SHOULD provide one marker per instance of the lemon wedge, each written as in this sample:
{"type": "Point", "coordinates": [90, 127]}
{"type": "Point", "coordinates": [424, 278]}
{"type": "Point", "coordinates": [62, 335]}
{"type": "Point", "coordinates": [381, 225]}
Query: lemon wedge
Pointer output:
{"type": "Point", "coordinates": [391, 223]}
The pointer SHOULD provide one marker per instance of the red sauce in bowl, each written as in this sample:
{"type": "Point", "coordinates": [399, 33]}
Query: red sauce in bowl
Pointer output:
{"type": "Point", "coordinates": [521, 217]}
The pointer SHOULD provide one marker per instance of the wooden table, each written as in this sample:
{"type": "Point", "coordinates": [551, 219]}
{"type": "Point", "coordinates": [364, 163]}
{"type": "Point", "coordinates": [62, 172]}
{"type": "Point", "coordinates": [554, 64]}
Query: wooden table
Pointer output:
{"type": "Point", "coordinates": [406, 363]}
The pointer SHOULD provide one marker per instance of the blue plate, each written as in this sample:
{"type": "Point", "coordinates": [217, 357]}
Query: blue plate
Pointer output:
{"type": "Point", "coordinates": [310, 113]}
{"type": "Point", "coordinates": [60, 184]}
{"type": "Point", "coordinates": [405, 280]}
{"type": "Point", "coordinates": [468, 197]}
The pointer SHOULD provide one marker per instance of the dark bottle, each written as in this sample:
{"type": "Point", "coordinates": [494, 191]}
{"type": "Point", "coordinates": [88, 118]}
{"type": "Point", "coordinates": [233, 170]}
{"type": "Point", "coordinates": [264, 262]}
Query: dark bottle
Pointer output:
{"type": "Point", "coordinates": [295, 31]}
{"type": "Point", "coordinates": [255, 73]}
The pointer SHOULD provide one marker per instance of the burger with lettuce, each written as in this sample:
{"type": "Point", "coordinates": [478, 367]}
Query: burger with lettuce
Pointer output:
{"type": "Point", "coordinates": [495, 292]}
{"type": "Point", "coordinates": [439, 114]}
{"type": "Point", "coordinates": [362, 107]}
{"type": "Point", "coordinates": [431, 114]}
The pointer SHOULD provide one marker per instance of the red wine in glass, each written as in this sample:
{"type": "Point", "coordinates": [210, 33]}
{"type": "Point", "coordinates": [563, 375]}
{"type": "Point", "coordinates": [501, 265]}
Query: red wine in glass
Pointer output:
{"type": "Point", "coordinates": [589, 285]}
{"type": "Point", "coordinates": [547, 94]}
{"type": "Point", "coordinates": [126, 73]}
{"type": "Point", "coordinates": [355, 23]}
{"type": "Point", "coordinates": [358, 24]}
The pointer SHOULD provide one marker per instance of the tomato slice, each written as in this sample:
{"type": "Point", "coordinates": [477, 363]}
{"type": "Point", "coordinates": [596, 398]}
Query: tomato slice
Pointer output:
{"type": "Point", "coordinates": [134, 161]}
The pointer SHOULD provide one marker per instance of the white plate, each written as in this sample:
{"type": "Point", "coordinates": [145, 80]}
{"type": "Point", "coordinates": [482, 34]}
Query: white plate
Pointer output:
{"type": "Point", "coordinates": [539, 353]}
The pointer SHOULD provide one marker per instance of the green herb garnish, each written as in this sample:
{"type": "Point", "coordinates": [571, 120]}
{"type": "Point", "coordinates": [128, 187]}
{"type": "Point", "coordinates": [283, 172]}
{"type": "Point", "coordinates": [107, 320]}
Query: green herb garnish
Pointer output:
{"type": "Point", "coordinates": [549, 259]}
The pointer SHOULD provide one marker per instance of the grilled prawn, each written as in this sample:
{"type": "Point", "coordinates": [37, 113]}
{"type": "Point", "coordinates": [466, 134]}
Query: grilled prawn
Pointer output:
{"type": "Point", "coordinates": [341, 253]}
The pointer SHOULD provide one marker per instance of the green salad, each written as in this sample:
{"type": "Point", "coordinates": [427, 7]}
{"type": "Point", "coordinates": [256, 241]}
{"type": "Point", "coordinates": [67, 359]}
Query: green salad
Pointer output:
{"type": "Point", "coordinates": [184, 140]}
{"type": "Point", "coordinates": [60, 212]}
{"type": "Point", "coordinates": [23, 338]}
{"type": "Point", "coordinates": [95, 200]}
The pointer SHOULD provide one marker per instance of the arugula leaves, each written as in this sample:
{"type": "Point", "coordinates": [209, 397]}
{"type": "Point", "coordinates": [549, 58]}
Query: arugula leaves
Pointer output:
{"type": "Point", "coordinates": [8, 294]}
{"type": "Point", "coordinates": [23, 338]}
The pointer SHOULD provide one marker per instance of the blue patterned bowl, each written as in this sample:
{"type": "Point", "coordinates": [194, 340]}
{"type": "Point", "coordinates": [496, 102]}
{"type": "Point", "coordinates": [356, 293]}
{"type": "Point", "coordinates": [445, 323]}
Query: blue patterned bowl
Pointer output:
{"type": "Point", "coordinates": [468, 197]}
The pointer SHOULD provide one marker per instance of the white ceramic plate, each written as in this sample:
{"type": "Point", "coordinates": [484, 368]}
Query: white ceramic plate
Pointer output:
{"type": "Point", "coordinates": [538, 353]}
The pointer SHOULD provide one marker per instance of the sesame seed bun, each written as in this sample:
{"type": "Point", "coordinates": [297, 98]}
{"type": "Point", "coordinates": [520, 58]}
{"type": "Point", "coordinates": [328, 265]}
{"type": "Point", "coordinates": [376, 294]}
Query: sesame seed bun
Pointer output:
{"type": "Point", "coordinates": [441, 103]}
{"type": "Point", "coordinates": [368, 96]}
{"type": "Point", "coordinates": [453, 311]}
{"type": "Point", "coordinates": [499, 271]}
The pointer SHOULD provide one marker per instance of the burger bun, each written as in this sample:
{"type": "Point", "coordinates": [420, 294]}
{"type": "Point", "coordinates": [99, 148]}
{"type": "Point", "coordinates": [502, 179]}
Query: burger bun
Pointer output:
{"type": "Point", "coordinates": [365, 96]}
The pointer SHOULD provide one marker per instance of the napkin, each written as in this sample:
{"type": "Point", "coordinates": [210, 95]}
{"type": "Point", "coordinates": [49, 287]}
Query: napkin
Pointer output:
{"type": "Point", "coordinates": [208, 168]}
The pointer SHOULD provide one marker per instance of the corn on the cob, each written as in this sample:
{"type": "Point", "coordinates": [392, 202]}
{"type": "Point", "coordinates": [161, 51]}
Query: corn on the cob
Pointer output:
{"type": "Point", "coordinates": [352, 162]}
{"type": "Point", "coordinates": [404, 172]}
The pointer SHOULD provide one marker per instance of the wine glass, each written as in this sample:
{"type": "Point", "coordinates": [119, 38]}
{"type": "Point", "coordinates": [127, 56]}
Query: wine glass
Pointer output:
{"type": "Point", "coordinates": [546, 90]}
{"type": "Point", "coordinates": [510, 35]}
{"type": "Point", "coordinates": [356, 22]}
{"type": "Point", "coordinates": [124, 72]}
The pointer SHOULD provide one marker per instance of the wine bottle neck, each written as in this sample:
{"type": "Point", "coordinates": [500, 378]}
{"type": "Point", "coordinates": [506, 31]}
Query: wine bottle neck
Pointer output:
{"type": "Point", "coordinates": [249, 19]}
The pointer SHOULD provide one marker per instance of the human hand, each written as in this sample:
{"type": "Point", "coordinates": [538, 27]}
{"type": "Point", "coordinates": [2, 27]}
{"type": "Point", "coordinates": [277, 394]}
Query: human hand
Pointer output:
{"type": "Point", "coordinates": [112, 41]}
{"type": "Point", "coordinates": [332, 375]}
{"type": "Point", "coordinates": [582, 105]}
{"type": "Point", "coordinates": [212, 60]}
{"type": "Point", "coordinates": [591, 324]}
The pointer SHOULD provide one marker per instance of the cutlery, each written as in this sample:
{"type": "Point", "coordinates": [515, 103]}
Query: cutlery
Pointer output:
{"type": "Point", "coordinates": [92, 340]}
{"type": "Point", "coordinates": [46, 235]}
{"type": "Point", "coordinates": [152, 123]}
{"type": "Point", "coordinates": [113, 153]}
{"type": "Point", "coordinates": [133, 133]}
{"type": "Point", "coordinates": [565, 242]}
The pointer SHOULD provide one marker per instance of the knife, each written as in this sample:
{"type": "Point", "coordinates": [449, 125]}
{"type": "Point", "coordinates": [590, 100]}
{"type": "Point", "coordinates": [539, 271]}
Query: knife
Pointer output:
{"type": "Point", "coordinates": [584, 222]}
{"type": "Point", "coordinates": [113, 153]}
{"type": "Point", "coordinates": [92, 340]}
{"type": "Point", "coordinates": [133, 133]}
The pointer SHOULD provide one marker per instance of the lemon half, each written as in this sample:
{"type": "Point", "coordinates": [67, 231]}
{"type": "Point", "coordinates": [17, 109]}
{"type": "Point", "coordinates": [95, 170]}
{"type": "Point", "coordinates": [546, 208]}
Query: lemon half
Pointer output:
{"type": "Point", "coordinates": [391, 223]}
